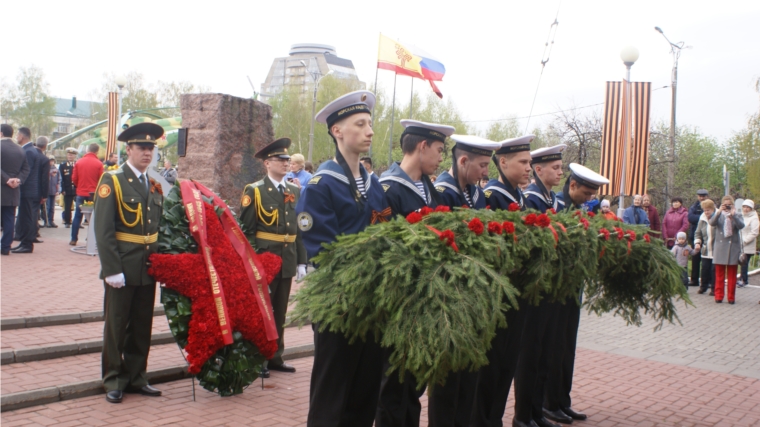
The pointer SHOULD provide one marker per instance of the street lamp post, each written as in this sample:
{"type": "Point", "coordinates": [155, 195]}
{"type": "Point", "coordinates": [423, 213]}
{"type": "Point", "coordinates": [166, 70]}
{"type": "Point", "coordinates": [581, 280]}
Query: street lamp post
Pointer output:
{"type": "Point", "coordinates": [629, 55]}
{"type": "Point", "coordinates": [120, 81]}
{"type": "Point", "coordinates": [675, 50]}
{"type": "Point", "coordinates": [314, 102]}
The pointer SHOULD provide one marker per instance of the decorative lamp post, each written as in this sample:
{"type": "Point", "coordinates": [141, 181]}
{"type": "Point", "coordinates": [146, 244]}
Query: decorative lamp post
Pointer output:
{"type": "Point", "coordinates": [314, 76]}
{"type": "Point", "coordinates": [629, 55]}
{"type": "Point", "coordinates": [120, 81]}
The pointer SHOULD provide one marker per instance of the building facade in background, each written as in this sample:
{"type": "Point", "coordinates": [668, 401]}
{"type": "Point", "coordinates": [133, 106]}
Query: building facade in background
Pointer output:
{"type": "Point", "coordinates": [297, 68]}
{"type": "Point", "coordinates": [72, 114]}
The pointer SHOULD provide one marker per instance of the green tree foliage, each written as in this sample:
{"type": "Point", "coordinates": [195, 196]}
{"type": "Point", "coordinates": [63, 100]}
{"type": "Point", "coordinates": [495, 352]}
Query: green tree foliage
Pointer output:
{"type": "Point", "coordinates": [28, 101]}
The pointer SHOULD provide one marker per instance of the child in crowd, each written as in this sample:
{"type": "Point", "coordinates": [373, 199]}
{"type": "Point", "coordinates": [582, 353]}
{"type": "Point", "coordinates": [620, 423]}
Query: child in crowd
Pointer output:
{"type": "Point", "coordinates": [682, 251]}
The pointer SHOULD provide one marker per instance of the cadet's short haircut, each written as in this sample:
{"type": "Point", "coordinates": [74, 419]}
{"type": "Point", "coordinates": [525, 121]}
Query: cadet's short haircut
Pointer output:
{"type": "Point", "coordinates": [458, 153]}
{"type": "Point", "coordinates": [409, 142]}
{"type": "Point", "coordinates": [507, 156]}
{"type": "Point", "coordinates": [42, 142]}
{"type": "Point", "coordinates": [367, 159]}
{"type": "Point", "coordinates": [26, 132]}
{"type": "Point", "coordinates": [93, 148]}
{"type": "Point", "coordinates": [7, 130]}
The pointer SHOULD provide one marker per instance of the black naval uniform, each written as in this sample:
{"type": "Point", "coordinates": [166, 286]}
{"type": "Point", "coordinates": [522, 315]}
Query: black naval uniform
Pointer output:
{"type": "Point", "coordinates": [495, 379]}
{"type": "Point", "coordinates": [399, 403]}
{"type": "Point", "coordinates": [67, 188]}
{"type": "Point", "coordinates": [559, 382]}
{"type": "Point", "coordinates": [541, 327]}
{"type": "Point", "coordinates": [452, 403]}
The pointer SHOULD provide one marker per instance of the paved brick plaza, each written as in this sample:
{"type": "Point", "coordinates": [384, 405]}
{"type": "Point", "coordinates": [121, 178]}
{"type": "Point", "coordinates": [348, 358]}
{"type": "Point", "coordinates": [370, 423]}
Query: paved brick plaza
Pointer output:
{"type": "Point", "coordinates": [704, 373]}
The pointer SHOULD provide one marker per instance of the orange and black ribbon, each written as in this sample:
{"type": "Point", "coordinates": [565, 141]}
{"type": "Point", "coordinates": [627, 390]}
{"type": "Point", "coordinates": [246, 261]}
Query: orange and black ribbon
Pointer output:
{"type": "Point", "coordinates": [381, 216]}
{"type": "Point", "coordinates": [290, 197]}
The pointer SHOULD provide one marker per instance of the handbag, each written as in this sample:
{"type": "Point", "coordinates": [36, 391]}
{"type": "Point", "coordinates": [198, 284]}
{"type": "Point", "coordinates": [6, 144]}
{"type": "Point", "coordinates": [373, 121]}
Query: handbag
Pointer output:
{"type": "Point", "coordinates": [742, 255]}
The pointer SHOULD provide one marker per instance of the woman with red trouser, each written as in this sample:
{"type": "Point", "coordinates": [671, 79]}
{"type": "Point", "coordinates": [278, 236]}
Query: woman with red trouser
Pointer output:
{"type": "Point", "coordinates": [727, 246]}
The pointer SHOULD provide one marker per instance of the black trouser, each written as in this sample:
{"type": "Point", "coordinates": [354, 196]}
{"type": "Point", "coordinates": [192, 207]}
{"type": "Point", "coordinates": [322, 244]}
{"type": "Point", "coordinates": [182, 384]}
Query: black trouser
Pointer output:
{"type": "Point", "coordinates": [695, 268]}
{"type": "Point", "coordinates": [68, 201]}
{"type": "Point", "coordinates": [708, 275]}
{"type": "Point", "coordinates": [279, 291]}
{"type": "Point", "coordinates": [451, 404]}
{"type": "Point", "coordinates": [399, 402]}
{"type": "Point", "coordinates": [745, 269]}
{"type": "Point", "coordinates": [9, 222]}
{"type": "Point", "coordinates": [533, 365]}
{"type": "Point", "coordinates": [26, 225]}
{"type": "Point", "coordinates": [126, 336]}
{"type": "Point", "coordinates": [345, 381]}
{"type": "Point", "coordinates": [495, 379]}
{"type": "Point", "coordinates": [559, 382]}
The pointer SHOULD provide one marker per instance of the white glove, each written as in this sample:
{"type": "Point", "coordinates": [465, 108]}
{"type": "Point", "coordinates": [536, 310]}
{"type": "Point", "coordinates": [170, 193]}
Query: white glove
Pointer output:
{"type": "Point", "coordinates": [117, 280]}
{"type": "Point", "coordinates": [301, 273]}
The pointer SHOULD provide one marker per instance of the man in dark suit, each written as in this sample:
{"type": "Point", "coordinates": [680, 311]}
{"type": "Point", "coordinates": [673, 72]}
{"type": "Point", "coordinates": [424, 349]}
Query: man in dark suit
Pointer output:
{"type": "Point", "coordinates": [66, 170]}
{"type": "Point", "coordinates": [15, 169]}
{"type": "Point", "coordinates": [29, 206]}
{"type": "Point", "coordinates": [44, 186]}
{"type": "Point", "coordinates": [268, 210]}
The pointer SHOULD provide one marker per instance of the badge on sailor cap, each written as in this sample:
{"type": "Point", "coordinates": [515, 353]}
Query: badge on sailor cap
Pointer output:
{"type": "Point", "coordinates": [278, 148]}
{"type": "Point", "coordinates": [142, 133]}
{"type": "Point", "coordinates": [587, 177]}
{"type": "Point", "coordinates": [547, 154]}
{"type": "Point", "coordinates": [360, 101]}
{"type": "Point", "coordinates": [475, 144]}
{"type": "Point", "coordinates": [515, 145]}
{"type": "Point", "coordinates": [71, 150]}
{"type": "Point", "coordinates": [427, 130]}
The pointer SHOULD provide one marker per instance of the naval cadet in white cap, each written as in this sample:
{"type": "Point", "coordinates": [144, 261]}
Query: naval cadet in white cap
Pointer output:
{"type": "Point", "coordinates": [512, 161]}
{"type": "Point", "coordinates": [342, 198]}
{"type": "Point", "coordinates": [471, 155]}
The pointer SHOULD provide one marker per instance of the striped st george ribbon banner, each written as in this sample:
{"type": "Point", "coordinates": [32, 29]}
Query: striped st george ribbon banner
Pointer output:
{"type": "Point", "coordinates": [613, 138]}
{"type": "Point", "coordinates": [113, 122]}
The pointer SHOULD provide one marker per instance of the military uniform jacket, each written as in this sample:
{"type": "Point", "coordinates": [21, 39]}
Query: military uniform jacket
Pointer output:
{"type": "Point", "coordinates": [67, 186]}
{"type": "Point", "coordinates": [567, 204]}
{"type": "Point", "coordinates": [327, 208]}
{"type": "Point", "coordinates": [127, 217]}
{"type": "Point", "coordinates": [452, 196]}
{"type": "Point", "coordinates": [500, 195]}
{"type": "Point", "coordinates": [271, 222]}
{"type": "Point", "coordinates": [535, 199]}
{"type": "Point", "coordinates": [403, 195]}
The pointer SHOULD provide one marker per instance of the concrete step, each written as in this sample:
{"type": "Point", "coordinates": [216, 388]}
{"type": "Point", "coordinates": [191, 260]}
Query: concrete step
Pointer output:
{"type": "Point", "coordinates": [10, 323]}
{"type": "Point", "coordinates": [38, 382]}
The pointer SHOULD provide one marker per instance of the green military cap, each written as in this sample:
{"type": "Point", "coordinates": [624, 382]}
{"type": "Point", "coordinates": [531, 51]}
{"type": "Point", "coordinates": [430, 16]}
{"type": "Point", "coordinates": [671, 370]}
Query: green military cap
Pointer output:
{"type": "Point", "coordinates": [278, 148]}
{"type": "Point", "coordinates": [142, 133]}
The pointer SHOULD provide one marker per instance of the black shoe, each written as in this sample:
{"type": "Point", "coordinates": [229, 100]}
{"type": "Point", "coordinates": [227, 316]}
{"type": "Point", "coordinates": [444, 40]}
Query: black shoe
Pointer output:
{"type": "Point", "coordinates": [283, 368]}
{"type": "Point", "coordinates": [712, 293]}
{"type": "Point", "coordinates": [543, 422]}
{"type": "Point", "coordinates": [115, 396]}
{"type": "Point", "coordinates": [558, 416]}
{"type": "Point", "coordinates": [15, 248]}
{"type": "Point", "coordinates": [264, 373]}
{"type": "Point", "coordinates": [516, 423]}
{"type": "Point", "coordinates": [37, 240]}
{"type": "Point", "coordinates": [8, 252]}
{"type": "Point", "coordinates": [701, 291]}
{"type": "Point", "coordinates": [718, 301]}
{"type": "Point", "coordinates": [52, 225]}
{"type": "Point", "coordinates": [67, 225]}
{"type": "Point", "coordinates": [731, 302]}
{"type": "Point", "coordinates": [580, 416]}
{"type": "Point", "coordinates": [146, 390]}
{"type": "Point", "coordinates": [23, 250]}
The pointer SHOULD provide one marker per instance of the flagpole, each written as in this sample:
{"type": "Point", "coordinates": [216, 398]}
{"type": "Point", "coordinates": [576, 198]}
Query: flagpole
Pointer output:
{"type": "Point", "coordinates": [377, 69]}
{"type": "Point", "coordinates": [411, 100]}
{"type": "Point", "coordinates": [393, 111]}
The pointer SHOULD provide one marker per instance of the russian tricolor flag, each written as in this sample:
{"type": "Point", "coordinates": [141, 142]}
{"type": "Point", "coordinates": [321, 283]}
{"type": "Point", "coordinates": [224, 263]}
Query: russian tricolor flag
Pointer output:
{"type": "Point", "coordinates": [432, 71]}
{"type": "Point", "coordinates": [410, 61]}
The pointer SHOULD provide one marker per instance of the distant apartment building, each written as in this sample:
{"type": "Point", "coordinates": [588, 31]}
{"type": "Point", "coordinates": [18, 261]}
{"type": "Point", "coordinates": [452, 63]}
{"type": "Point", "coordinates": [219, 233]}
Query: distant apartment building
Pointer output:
{"type": "Point", "coordinates": [72, 114]}
{"type": "Point", "coordinates": [297, 69]}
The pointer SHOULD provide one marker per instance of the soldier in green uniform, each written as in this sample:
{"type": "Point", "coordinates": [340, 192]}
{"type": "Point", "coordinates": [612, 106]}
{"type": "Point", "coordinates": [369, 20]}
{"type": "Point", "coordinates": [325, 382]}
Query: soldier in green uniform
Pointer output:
{"type": "Point", "coordinates": [128, 207]}
{"type": "Point", "coordinates": [269, 213]}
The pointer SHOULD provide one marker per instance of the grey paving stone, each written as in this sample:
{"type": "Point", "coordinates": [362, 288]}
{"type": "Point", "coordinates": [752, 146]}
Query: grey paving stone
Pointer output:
{"type": "Point", "coordinates": [44, 353]}
{"type": "Point", "coordinates": [671, 359]}
{"type": "Point", "coordinates": [7, 357]}
{"type": "Point", "coordinates": [80, 389]}
{"type": "Point", "coordinates": [12, 323]}
{"type": "Point", "coordinates": [53, 320]}
{"type": "Point", "coordinates": [25, 399]}
{"type": "Point", "coordinates": [297, 352]}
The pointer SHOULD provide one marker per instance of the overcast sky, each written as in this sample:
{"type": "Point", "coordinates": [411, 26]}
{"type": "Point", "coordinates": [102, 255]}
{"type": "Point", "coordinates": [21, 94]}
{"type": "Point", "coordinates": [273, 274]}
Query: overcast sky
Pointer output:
{"type": "Point", "coordinates": [491, 49]}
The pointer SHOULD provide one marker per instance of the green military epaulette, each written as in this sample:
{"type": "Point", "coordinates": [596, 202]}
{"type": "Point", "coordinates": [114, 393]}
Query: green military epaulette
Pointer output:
{"type": "Point", "coordinates": [116, 171]}
{"type": "Point", "coordinates": [315, 179]}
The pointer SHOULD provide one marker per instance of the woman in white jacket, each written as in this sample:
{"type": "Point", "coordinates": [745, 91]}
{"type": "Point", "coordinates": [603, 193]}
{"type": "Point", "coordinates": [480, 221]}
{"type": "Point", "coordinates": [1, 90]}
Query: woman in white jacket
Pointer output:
{"type": "Point", "coordinates": [749, 238]}
{"type": "Point", "coordinates": [703, 242]}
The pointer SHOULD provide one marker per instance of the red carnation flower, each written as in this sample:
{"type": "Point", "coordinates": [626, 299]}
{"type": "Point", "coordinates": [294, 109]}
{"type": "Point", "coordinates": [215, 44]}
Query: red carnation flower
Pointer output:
{"type": "Point", "coordinates": [577, 213]}
{"type": "Point", "coordinates": [513, 207]}
{"type": "Point", "coordinates": [591, 214]}
{"type": "Point", "coordinates": [585, 223]}
{"type": "Point", "coordinates": [605, 233]}
{"type": "Point", "coordinates": [543, 221]}
{"type": "Point", "coordinates": [530, 219]}
{"type": "Point", "coordinates": [426, 211]}
{"type": "Point", "coordinates": [647, 238]}
{"type": "Point", "coordinates": [442, 208]}
{"type": "Point", "coordinates": [476, 226]}
{"type": "Point", "coordinates": [414, 218]}
{"type": "Point", "coordinates": [553, 211]}
{"type": "Point", "coordinates": [494, 227]}
{"type": "Point", "coordinates": [447, 236]}
{"type": "Point", "coordinates": [509, 227]}
{"type": "Point", "coordinates": [465, 207]}
{"type": "Point", "coordinates": [631, 235]}
{"type": "Point", "coordinates": [620, 233]}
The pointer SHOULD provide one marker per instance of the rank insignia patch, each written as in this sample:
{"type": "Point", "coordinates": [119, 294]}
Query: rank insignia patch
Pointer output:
{"type": "Point", "coordinates": [104, 191]}
{"type": "Point", "coordinates": [488, 193]}
{"type": "Point", "coordinates": [246, 200]}
{"type": "Point", "coordinates": [440, 189]}
{"type": "Point", "coordinates": [386, 187]}
{"type": "Point", "coordinates": [304, 221]}
{"type": "Point", "coordinates": [315, 179]}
